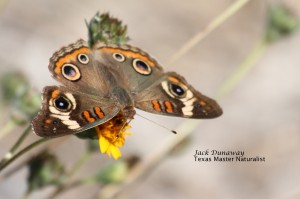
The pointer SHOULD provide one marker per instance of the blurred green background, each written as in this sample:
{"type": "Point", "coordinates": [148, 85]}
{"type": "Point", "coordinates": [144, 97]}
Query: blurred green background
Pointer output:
{"type": "Point", "coordinates": [261, 115]}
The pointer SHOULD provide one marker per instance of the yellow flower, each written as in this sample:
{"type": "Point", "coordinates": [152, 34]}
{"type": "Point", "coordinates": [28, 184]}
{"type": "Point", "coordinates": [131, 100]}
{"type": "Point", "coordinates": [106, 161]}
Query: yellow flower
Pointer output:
{"type": "Point", "coordinates": [111, 136]}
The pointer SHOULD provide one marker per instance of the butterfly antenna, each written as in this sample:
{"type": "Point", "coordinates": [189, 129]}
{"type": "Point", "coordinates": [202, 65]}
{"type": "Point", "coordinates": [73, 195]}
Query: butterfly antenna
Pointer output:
{"type": "Point", "coordinates": [157, 123]}
{"type": "Point", "coordinates": [124, 124]}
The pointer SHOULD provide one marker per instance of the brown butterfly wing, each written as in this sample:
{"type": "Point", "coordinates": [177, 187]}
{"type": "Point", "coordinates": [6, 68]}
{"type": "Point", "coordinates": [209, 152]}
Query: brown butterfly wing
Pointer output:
{"type": "Point", "coordinates": [171, 95]}
{"type": "Point", "coordinates": [135, 68]}
{"type": "Point", "coordinates": [65, 111]}
{"type": "Point", "coordinates": [76, 67]}
{"type": "Point", "coordinates": [151, 88]}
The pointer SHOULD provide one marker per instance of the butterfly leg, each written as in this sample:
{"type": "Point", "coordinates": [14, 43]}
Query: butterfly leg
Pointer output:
{"type": "Point", "coordinates": [128, 112]}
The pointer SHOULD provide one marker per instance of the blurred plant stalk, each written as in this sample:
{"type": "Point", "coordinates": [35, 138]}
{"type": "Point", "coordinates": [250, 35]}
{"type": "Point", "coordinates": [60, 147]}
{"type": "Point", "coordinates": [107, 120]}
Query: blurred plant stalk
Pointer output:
{"type": "Point", "coordinates": [3, 3]}
{"type": "Point", "coordinates": [213, 25]}
{"type": "Point", "coordinates": [8, 127]}
{"type": "Point", "coordinates": [281, 23]}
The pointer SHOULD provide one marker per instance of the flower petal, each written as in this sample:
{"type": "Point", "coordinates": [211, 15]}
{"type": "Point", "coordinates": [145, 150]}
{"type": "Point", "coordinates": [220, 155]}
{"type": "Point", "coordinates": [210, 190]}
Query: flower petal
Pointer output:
{"type": "Point", "coordinates": [115, 151]}
{"type": "Point", "coordinates": [103, 144]}
{"type": "Point", "coordinates": [111, 136]}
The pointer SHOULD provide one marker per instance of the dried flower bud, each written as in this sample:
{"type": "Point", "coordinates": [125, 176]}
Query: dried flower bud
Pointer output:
{"type": "Point", "coordinates": [106, 29]}
{"type": "Point", "coordinates": [281, 23]}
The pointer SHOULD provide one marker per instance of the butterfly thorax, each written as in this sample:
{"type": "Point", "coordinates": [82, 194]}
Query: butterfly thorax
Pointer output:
{"type": "Point", "coordinates": [125, 102]}
{"type": "Point", "coordinates": [117, 86]}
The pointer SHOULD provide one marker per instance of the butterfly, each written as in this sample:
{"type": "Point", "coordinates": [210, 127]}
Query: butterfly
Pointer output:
{"type": "Point", "coordinates": [102, 81]}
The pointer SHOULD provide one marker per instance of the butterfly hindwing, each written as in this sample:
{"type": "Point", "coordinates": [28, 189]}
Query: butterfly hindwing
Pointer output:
{"type": "Point", "coordinates": [171, 95]}
{"type": "Point", "coordinates": [66, 112]}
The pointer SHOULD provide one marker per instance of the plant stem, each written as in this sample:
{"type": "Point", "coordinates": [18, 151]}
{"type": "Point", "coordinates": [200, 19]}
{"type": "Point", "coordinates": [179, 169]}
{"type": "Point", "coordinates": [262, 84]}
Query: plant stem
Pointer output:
{"type": "Point", "coordinates": [21, 139]}
{"type": "Point", "coordinates": [219, 20]}
{"type": "Point", "coordinates": [12, 171]}
{"type": "Point", "coordinates": [71, 185]}
{"type": "Point", "coordinates": [7, 128]}
{"type": "Point", "coordinates": [3, 4]}
{"type": "Point", "coordinates": [79, 163]}
{"type": "Point", "coordinates": [26, 195]}
{"type": "Point", "coordinates": [10, 159]}
{"type": "Point", "coordinates": [16, 145]}
{"type": "Point", "coordinates": [243, 69]}
{"type": "Point", "coordinates": [65, 185]}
